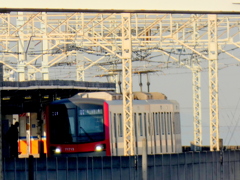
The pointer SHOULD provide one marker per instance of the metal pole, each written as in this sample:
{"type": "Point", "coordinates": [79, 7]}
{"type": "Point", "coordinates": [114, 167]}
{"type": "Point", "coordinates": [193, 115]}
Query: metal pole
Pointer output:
{"type": "Point", "coordinates": [144, 159]}
{"type": "Point", "coordinates": [213, 81]}
{"type": "Point", "coordinates": [127, 84]}
{"type": "Point", "coordinates": [197, 108]}
{"type": "Point", "coordinates": [140, 83]}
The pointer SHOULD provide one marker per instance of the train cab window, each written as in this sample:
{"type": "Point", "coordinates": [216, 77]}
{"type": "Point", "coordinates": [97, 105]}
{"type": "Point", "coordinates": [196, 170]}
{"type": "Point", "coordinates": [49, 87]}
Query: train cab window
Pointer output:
{"type": "Point", "coordinates": [90, 123]}
{"type": "Point", "coordinates": [59, 124]}
{"type": "Point", "coordinates": [72, 119]}
{"type": "Point", "coordinates": [120, 125]}
{"type": "Point", "coordinates": [140, 124]}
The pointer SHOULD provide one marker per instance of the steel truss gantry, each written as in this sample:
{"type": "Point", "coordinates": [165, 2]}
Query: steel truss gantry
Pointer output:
{"type": "Point", "coordinates": [32, 44]}
{"type": "Point", "coordinates": [213, 82]}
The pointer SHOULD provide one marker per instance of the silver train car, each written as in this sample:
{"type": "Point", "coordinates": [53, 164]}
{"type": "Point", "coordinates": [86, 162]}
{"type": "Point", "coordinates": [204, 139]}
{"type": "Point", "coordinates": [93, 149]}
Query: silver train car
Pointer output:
{"type": "Point", "coordinates": [155, 118]}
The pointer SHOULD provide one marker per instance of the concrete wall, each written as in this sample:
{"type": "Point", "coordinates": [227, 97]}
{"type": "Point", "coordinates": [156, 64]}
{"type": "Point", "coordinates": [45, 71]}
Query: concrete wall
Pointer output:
{"type": "Point", "coordinates": [184, 166]}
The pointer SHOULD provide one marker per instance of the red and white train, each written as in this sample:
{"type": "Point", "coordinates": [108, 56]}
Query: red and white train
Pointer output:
{"type": "Point", "coordinates": [91, 124]}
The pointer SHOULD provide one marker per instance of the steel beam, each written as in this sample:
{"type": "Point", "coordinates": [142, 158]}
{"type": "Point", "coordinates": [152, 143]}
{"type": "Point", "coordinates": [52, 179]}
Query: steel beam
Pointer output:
{"type": "Point", "coordinates": [197, 108]}
{"type": "Point", "coordinates": [80, 66]}
{"type": "Point", "coordinates": [127, 84]}
{"type": "Point", "coordinates": [213, 82]}
{"type": "Point", "coordinates": [21, 56]}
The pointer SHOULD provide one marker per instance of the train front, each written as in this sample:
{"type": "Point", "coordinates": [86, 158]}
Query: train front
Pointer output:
{"type": "Point", "coordinates": [77, 127]}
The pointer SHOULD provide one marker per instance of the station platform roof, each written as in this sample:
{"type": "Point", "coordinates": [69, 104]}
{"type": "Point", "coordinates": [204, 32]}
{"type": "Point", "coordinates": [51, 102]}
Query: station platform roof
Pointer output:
{"type": "Point", "coordinates": [32, 96]}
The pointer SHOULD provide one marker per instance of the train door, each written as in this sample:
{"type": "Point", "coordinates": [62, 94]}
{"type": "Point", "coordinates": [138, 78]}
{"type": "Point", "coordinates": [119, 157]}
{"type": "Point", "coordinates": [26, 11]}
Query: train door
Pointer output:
{"type": "Point", "coordinates": [155, 128]}
{"type": "Point", "coordinates": [151, 133]}
{"type": "Point", "coordinates": [169, 132]}
{"type": "Point", "coordinates": [114, 134]}
{"type": "Point", "coordinates": [163, 132]}
{"type": "Point", "coordinates": [140, 132]}
{"type": "Point", "coordinates": [147, 132]}
{"type": "Point", "coordinates": [34, 134]}
{"type": "Point", "coordinates": [136, 133]}
{"type": "Point", "coordinates": [28, 135]}
{"type": "Point", "coordinates": [155, 132]}
{"type": "Point", "coordinates": [172, 132]}
{"type": "Point", "coordinates": [120, 134]}
{"type": "Point", "coordinates": [159, 132]}
{"type": "Point", "coordinates": [23, 135]}
{"type": "Point", "coordinates": [177, 132]}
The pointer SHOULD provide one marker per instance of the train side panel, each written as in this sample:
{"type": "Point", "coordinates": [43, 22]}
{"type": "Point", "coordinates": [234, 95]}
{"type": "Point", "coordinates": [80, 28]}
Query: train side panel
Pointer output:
{"type": "Point", "coordinates": [156, 120]}
{"type": "Point", "coordinates": [141, 125]}
{"type": "Point", "coordinates": [177, 128]}
{"type": "Point", "coordinates": [116, 127]}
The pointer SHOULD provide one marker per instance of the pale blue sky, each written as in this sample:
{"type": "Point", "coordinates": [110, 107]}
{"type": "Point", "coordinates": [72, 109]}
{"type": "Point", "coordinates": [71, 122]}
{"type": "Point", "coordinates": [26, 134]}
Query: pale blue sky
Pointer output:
{"type": "Point", "coordinates": [177, 85]}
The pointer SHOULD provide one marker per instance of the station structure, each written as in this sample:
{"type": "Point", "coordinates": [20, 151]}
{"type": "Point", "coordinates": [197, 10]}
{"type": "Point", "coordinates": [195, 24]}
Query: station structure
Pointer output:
{"type": "Point", "coordinates": [34, 44]}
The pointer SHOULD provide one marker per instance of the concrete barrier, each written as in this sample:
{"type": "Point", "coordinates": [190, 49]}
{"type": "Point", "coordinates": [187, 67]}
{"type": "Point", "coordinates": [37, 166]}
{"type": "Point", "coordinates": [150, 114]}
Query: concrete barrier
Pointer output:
{"type": "Point", "coordinates": [190, 165]}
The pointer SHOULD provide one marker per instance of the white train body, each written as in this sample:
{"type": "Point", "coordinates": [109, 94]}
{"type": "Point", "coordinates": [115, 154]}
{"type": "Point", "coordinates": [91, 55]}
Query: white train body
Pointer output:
{"type": "Point", "coordinates": [154, 118]}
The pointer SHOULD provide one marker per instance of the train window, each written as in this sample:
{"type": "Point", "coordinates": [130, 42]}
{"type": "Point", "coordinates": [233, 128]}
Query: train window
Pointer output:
{"type": "Point", "coordinates": [115, 124]}
{"type": "Point", "coordinates": [140, 124]}
{"type": "Point", "coordinates": [136, 132]}
{"type": "Point", "coordinates": [159, 122]}
{"type": "Point", "coordinates": [135, 125]}
{"type": "Point", "coordinates": [163, 123]}
{"type": "Point", "coordinates": [145, 123]}
{"type": "Point", "coordinates": [72, 118]}
{"type": "Point", "coordinates": [154, 123]}
{"type": "Point", "coordinates": [149, 126]}
{"type": "Point", "coordinates": [177, 123]}
{"type": "Point", "coordinates": [168, 123]}
{"type": "Point", "coordinates": [155, 119]}
{"type": "Point", "coordinates": [120, 125]}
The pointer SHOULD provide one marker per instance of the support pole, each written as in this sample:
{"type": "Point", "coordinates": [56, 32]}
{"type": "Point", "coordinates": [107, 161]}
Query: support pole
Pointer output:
{"type": "Point", "coordinates": [21, 56]}
{"type": "Point", "coordinates": [140, 83]}
{"type": "Point", "coordinates": [197, 112]}
{"type": "Point", "coordinates": [45, 70]}
{"type": "Point", "coordinates": [213, 82]}
{"type": "Point", "coordinates": [1, 136]}
{"type": "Point", "coordinates": [80, 66]}
{"type": "Point", "coordinates": [148, 83]}
{"type": "Point", "coordinates": [144, 159]}
{"type": "Point", "coordinates": [127, 84]}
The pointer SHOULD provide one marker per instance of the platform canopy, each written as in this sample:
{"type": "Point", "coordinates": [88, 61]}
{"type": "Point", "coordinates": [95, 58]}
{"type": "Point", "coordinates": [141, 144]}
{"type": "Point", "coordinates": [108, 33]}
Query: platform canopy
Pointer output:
{"type": "Point", "coordinates": [183, 6]}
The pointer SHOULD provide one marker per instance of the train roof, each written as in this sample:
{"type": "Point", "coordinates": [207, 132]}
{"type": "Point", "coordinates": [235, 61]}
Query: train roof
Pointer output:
{"type": "Point", "coordinates": [116, 99]}
{"type": "Point", "coordinates": [110, 96]}
{"type": "Point", "coordinates": [142, 102]}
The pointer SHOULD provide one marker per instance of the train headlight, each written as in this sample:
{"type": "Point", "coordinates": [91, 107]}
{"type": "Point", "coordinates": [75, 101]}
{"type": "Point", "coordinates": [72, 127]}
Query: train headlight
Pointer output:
{"type": "Point", "coordinates": [99, 147]}
{"type": "Point", "coordinates": [57, 150]}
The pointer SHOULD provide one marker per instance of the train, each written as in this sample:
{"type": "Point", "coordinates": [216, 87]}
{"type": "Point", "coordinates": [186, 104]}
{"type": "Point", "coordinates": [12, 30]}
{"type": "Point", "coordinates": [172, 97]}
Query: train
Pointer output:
{"type": "Point", "coordinates": [91, 124]}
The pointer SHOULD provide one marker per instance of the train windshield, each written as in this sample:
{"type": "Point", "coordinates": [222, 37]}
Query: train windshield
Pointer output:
{"type": "Point", "coordinates": [90, 123]}
{"type": "Point", "coordinates": [77, 124]}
